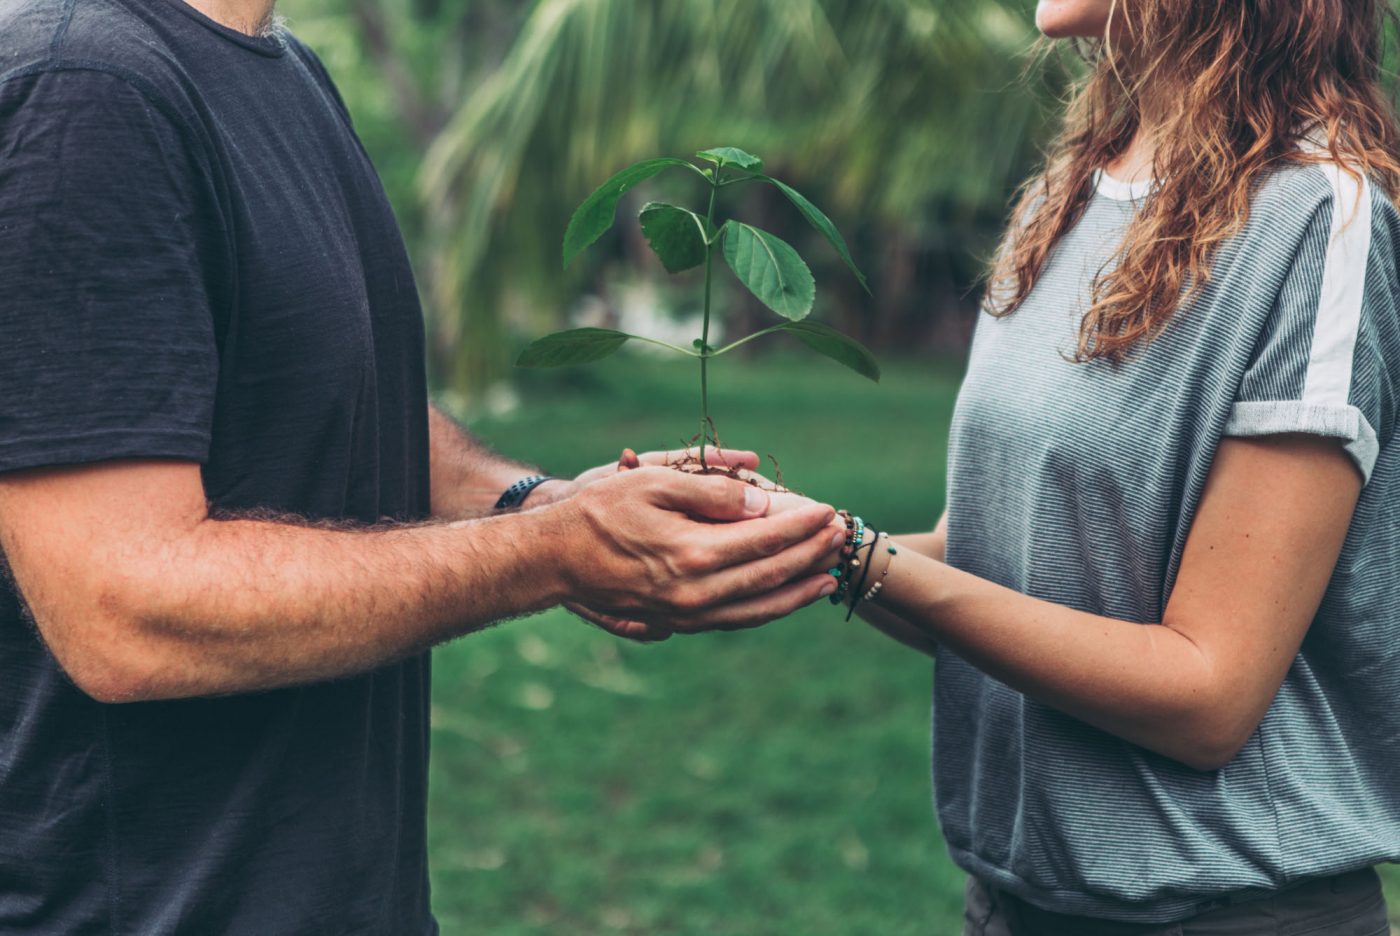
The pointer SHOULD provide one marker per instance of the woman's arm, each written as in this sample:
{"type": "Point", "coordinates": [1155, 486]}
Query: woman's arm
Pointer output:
{"type": "Point", "coordinates": [933, 546]}
{"type": "Point", "coordinates": [1257, 561]}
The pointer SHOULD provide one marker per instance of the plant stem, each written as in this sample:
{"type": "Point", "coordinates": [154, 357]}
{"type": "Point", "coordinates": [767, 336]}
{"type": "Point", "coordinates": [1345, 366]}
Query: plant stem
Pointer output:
{"type": "Point", "coordinates": [705, 327]}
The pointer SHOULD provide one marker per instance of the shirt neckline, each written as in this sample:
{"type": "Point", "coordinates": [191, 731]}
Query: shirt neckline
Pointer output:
{"type": "Point", "coordinates": [273, 45]}
{"type": "Point", "coordinates": [1118, 190]}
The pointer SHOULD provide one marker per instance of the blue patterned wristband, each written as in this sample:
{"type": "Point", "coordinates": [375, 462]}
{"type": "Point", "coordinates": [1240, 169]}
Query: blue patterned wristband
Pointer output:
{"type": "Point", "coordinates": [515, 494]}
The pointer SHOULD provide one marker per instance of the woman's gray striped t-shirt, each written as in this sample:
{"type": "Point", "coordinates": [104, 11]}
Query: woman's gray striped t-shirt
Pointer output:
{"type": "Point", "coordinates": [1077, 484]}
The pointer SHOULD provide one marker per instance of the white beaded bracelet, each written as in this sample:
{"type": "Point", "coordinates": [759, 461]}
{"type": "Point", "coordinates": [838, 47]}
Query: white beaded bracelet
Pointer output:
{"type": "Point", "coordinates": [893, 551]}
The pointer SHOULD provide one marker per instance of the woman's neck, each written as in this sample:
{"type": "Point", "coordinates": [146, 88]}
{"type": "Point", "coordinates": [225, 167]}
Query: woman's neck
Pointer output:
{"type": "Point", "coordinates": [1134, 164]}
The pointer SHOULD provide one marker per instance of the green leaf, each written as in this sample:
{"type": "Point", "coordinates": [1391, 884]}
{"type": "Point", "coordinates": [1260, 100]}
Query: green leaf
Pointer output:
{"type": "Point", "coordinates": [771, 270]}
{"type": "Point", "coordinates": [838, 347]}
{"type": "Point", "coordinates": [676, 235]}
{"type": "Point", "coordinates": [732, 156]}
{"type": "Point", "coordinates": [595, 215]}
{"type": "Point", "coordinates": [822, 223]}
{"type": "Point", "coordinates": [576, 346]}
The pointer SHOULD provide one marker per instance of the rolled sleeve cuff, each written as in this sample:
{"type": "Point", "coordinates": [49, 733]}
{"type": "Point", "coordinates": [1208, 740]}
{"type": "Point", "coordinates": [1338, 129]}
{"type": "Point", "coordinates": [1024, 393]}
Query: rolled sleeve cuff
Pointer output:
{"type": "Point", "coordinates": [1347, 423]}
{"type": "Point", "coordinates": [103, 445]}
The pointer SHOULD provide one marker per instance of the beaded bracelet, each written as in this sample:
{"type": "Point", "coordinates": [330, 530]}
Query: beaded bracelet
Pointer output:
{"type": "Point", "coordinates": [855, 531]}
{"type": "Point", "coordinates": [864, 574]}
{"type": "Point", "coordinates": [845, 572]}
{"type": "Point", "coordinates": [880, 584]}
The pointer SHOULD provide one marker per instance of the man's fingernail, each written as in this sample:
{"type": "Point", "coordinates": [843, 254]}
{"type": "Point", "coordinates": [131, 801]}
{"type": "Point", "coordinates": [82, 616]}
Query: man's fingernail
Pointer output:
{"type": "Point", "coordinates": [755, 501]}
{"type": "Point", "coordinates": [829, 587]}
{"type": "Point", "coordinates": [838, 539]}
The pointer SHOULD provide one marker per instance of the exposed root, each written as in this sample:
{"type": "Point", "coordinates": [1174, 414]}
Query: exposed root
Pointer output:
{"type": "Point", "coordinates": [691, 464]}
{"type": "Point", "coordinates": [777, 473]}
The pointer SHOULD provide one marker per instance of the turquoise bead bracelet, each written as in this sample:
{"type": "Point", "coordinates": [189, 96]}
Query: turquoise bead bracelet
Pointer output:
{"type": "Point", "coordinates": [845, 573]}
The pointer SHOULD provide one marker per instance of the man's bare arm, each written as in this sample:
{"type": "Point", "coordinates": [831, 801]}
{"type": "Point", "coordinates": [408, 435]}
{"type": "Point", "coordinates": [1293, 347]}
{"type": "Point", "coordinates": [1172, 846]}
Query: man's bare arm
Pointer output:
{"type": "Point", "coordinates": [140, 594]}
{"type": "Point", "coordinates": [467, 476]}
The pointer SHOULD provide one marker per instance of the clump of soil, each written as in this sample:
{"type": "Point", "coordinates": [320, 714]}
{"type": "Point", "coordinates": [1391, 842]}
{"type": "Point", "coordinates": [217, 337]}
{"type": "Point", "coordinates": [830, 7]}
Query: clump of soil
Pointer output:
{"type": "Point", "coordinates": [691, 464]}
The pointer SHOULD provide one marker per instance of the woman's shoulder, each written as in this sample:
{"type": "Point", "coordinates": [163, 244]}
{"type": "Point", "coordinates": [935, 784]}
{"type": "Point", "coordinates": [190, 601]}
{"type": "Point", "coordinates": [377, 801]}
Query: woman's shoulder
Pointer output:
{"type": "Point", "coordinates": [1323, 196]}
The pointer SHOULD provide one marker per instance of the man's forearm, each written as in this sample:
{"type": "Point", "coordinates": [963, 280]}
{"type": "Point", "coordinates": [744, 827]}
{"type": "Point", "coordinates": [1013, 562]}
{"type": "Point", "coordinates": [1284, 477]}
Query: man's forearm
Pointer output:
{"type": "Point", "coordinates": [467, 476]}
{"type": "Point", "coordinates": [139, 594]}
{"type": "Point", "coordinates": [240, 605]}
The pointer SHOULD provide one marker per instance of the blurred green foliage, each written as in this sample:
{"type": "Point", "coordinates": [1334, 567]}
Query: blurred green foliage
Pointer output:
{"type": "Point", "coordinates": [764, 783]}
{"type": "Point", "coordinates": [489, 119]}
{"type": "Point", "coordinates": [772, 782]}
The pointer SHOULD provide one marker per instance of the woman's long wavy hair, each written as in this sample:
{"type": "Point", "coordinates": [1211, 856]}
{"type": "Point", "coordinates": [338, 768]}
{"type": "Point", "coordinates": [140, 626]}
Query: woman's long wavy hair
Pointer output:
{"type": "Point", "coordinates": [1239, 84]}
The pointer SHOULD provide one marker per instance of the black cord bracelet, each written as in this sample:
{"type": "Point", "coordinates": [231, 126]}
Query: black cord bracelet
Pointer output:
{"type": "Point", "coordinates": [515, 495]}
{"type": "Point", "coordinates": [865, 572]}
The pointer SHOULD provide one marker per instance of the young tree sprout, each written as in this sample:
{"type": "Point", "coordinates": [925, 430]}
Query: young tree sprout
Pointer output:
{"type": "Point", "coordinates": [683, 240]}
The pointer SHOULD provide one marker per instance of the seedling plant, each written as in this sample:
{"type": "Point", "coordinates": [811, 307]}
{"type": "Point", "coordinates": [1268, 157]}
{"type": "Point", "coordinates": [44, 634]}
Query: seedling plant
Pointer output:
{"type": "Point", "coordinates": [684, 240]}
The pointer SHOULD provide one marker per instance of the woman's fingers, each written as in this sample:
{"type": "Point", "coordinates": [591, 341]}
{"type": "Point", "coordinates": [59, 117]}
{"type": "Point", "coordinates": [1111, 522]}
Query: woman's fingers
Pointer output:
{"type": "Point", "coordinates": [757, 610]}
{"type": "Point", "coordinates": [714, 457]}
{"type": "Point", "coordinates": [638, 631]}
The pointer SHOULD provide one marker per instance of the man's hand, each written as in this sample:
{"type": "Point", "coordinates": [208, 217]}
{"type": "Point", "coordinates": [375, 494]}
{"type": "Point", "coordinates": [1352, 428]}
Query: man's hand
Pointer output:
{"type": "Point", "coordinates": [780, 502]}
{"type": "Point", "coordinates": [659, 567]}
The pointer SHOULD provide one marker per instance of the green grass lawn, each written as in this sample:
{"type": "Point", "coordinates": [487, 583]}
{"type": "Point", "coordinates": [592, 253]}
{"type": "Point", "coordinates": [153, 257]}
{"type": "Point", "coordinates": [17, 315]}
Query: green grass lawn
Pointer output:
{"type": "Point", "coordinates": [770, 782]}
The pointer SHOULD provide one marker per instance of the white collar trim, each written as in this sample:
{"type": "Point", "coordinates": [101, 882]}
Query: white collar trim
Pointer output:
{"type": "Point", "coordinates": [1118, 190]}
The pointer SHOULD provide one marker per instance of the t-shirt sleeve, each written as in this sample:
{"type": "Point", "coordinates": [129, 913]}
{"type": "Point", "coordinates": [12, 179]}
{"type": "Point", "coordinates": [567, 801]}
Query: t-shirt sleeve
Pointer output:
{"type": "Point", "coordinates": [1328, 361]}
{"type": "Point", "coordinates": [107, 345]}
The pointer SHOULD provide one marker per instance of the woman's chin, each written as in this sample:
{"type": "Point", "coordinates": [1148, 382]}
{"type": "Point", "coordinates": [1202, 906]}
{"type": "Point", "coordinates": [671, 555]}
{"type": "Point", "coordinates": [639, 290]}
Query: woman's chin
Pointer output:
{"type": "Point", "coordinates": [1055, 29]}
{"type": "Point", "coordinates": [1066, 19]}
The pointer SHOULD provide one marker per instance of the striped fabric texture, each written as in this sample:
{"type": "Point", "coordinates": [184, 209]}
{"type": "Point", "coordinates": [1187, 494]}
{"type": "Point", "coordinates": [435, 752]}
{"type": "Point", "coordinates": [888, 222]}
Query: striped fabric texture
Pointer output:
{"type": "Point", "coordinates": [1077, 484]}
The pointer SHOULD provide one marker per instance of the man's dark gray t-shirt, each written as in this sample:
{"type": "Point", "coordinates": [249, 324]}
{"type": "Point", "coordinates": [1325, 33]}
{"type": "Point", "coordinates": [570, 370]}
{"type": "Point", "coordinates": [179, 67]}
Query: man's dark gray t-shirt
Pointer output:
{"type": "Point", "coordinates": [197, 262]}
{"type": "Point", "coordinates": [1078, 484]}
